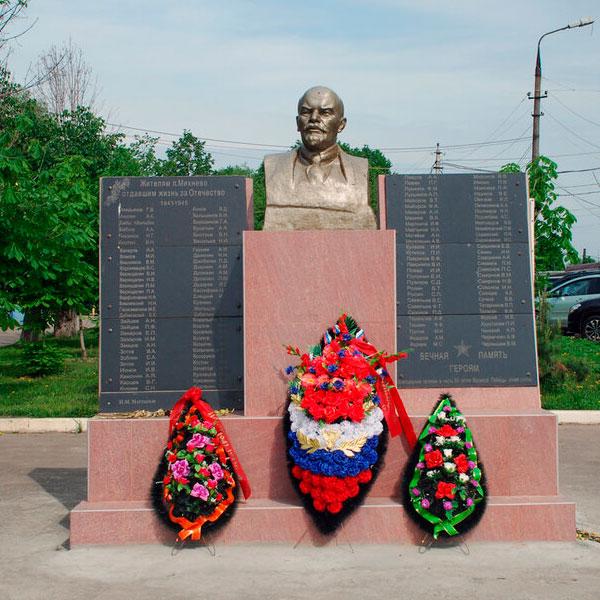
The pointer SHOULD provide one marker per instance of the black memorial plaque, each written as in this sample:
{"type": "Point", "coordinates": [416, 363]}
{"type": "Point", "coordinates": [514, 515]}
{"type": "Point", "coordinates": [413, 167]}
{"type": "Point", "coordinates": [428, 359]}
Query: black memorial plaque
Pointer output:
{"type": "Point", "coordinates": [171, 290]}
{"type": "Point", "coordinates": [463, 267]}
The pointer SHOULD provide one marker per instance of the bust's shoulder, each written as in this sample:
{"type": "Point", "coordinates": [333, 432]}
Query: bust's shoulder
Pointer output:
{"type": "Point", "coordinates": [356, 162]}
{"type": "Point", "coordinates": [279, 160]}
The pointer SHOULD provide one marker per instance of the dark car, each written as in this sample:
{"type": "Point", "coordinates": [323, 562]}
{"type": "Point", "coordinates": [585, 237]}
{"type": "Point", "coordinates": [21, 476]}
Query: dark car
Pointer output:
{"type": "Point", "coordinates": [584, 319]}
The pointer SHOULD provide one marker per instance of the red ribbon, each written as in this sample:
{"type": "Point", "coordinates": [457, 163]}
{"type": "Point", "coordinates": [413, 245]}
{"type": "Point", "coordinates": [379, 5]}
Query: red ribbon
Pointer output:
{"type": "Point", "coordinates": [194, 395]}
{"type": "Point", "coordinates": [390, 402]}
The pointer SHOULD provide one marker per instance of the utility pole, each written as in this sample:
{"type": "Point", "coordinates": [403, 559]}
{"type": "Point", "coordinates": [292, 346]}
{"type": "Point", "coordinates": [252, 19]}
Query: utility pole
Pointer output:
{"type": "Point", "coordinates": [537, 94]}
{"type": "Point", "coordinates": [437, 165]}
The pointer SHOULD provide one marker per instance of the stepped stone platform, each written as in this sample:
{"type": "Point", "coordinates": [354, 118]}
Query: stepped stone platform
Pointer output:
{"type": "Point", "coordinates": [523, 503]}
{"type": "Point", "coordinates": [295, 286]}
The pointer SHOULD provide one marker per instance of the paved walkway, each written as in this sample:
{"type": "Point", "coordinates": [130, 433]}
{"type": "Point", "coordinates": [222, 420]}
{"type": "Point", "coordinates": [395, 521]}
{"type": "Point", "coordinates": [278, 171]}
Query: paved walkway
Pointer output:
{"type": "Point", "coordinates": [43, 476]}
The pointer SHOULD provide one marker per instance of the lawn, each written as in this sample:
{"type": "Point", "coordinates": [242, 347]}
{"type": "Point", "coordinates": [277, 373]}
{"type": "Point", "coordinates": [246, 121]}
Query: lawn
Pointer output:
{"type": "Point", "coordinates": [73, 393]}
{"type": "Point", "coordinates": [576, 393]}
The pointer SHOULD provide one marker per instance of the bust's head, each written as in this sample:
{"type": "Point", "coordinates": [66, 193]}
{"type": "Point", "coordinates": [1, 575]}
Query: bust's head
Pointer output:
{"type": "Point", "coordinates": [320, 118]}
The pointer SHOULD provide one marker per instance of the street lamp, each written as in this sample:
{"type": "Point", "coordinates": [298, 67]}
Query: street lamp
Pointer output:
{"type": "Point", "coordinates": [537, 96]}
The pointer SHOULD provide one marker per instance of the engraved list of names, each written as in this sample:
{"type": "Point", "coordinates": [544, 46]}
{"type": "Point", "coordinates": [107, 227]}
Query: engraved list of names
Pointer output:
{"type": "Point", "coordinates": [171, 290]}
{"type": "Point", "coordinates": [463, 279]}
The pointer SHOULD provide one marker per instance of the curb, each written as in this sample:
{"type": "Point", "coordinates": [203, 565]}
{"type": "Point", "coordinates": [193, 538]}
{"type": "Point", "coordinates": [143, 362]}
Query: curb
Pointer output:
{"type": "Point", "coordinates": [577, 417]}
{"type": "Point", "coordinates": [79, 424]}
{"type": "Point", "coordinates": [27, 425]}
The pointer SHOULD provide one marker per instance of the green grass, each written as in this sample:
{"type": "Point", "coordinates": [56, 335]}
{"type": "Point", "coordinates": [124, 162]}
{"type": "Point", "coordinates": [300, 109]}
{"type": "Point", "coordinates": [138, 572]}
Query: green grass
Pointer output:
{"type": "Point", "coordinates": [576, 393]}
{"type": "Point", "coordinates": [73, 393]}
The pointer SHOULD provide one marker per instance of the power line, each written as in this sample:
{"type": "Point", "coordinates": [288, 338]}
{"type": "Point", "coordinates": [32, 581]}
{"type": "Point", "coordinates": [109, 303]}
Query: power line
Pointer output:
{"type": "Point", "coordinates": [580, 170]}
{"type": "Point", "coordinates": [575, 112]}
{"type": "Point", "coordinates": [566, 128]}
{"type": "Point", "coordinates": [580, 193]}
{"type": "Point", "coordinates": [262, 145]}
{"type": "Point", "coordinates": [200, 138]}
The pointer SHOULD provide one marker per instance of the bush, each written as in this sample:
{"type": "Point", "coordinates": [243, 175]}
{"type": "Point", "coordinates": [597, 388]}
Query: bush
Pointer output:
{"type": "Point", "coordinates": [40, 359]}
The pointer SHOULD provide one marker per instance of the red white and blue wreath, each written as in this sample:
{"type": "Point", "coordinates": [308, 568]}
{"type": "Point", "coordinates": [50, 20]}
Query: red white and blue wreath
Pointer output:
{"type": "Point", "coordinates": [341, 404]}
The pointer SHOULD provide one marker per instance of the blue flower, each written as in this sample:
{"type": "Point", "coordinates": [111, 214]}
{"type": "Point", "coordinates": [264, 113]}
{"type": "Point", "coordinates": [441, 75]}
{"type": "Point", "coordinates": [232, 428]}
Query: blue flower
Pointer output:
{"type": "Point", "coordinates": [371, 379]}
{"type": "Point", "coordinates": [294, 389]}
{"type": "Point", "coordinates": [324, 386]}
{"type": "Point", "coordinates": [289, 370]}
{"type": "Point", "coordinates": [384, 373]}
{"type": "Point", "coordinates": [334, 463]}
{"type": "Point", "coordinates": [342, 353]}
{"type": "Point", "coordinates": [346, 337]}
{"type": "Point", "coordinates": [312, 370]}
{"type": "Point", "coordinates": [332, 368]}
{"type": "Point", "coordinates": [376, 399]}
{"type": "Point", "coordinates": [338, 384]}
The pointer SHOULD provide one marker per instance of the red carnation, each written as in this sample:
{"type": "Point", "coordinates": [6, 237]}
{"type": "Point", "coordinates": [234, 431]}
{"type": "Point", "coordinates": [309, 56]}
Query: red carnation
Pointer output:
{"type": "Point", "coordinates": [462, 464]}
{"type": "Point", "coordinates": [447, 431]}
{"type": "Point", "coordinates": [434, 459]}
{"type": "Point", "coordinates": [334, 507]}
{"type": "Point", "coordinates": [365, 476]}
{"type": "Point", "coordinates": [319, 505]}
{"type": "Point", "coordinates": [445, 490]}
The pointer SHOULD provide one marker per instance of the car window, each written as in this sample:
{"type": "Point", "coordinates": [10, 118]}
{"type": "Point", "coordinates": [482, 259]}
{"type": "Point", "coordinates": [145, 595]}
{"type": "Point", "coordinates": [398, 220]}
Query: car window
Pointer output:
{"type": "Point", "coordinates": [575, 288]}
{"type": "Point", "coordinates": [594, 285]}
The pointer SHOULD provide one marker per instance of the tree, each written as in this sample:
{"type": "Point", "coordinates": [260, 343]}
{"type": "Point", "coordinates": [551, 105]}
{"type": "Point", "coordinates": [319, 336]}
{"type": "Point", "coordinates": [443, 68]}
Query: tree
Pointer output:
{"type": "Point", "coordinates": [553, 223]}
{"type": "Point", "coordinates": [46, 234]}
{"type": "Point", "coordinates": [186, 157]}
{"type": "Point", "coordinates": [66, 80]}
{"type": "Point", "coordinates": [10, 11]}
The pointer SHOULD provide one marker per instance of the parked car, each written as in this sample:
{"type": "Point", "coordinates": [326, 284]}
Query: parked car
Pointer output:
{"type": "Point", "coordinates": [584, 319]}
{"type": "Point", "coordinates": [567, 293]}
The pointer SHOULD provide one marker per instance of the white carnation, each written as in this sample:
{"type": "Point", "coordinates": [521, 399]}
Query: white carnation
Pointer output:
{"type": "Point", "coordinates": [439, 440]}
{"type": "Point", "coordinates": [463, 477]}
{"type": "Point", "coordinates": [450, 467]}
{"type": "Point", "coordinates": [448, 452]}
{"type": "Point", "coordinates": [441, 416]}
{"type": "Point", "coordinates": [370, 426]}
{"type": "Point", "coordinates": [455, 438]}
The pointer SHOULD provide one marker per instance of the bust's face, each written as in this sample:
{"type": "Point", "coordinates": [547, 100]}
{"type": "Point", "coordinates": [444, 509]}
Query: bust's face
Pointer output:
{"type": "Point", "coordinates": [320, 118]}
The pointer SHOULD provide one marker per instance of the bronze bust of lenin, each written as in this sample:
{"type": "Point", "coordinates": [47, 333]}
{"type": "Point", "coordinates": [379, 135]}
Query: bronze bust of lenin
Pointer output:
{"type": "Point", "coordinates": [318, 186]}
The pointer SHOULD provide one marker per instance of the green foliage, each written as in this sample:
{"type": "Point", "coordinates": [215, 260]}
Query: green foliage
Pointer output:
{"type": "Point", "coordinates": [379, 164]}
{"type": "Point", "coordinates": [553, 223]}
{"type": "Point", "coordinates": [186, 157]}
{"type": "Point", "coordinates": [235, 170]}
{"type": "Point", "coordinates": [39, 359]}
{"type": "Point", "coordinates": [260, 197]}
{"type": "Point", "coordinates": [48, 222]}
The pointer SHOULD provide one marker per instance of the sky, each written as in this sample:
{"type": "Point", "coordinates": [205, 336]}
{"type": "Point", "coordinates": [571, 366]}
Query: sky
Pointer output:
{"type": "Point", "coordinates": [411, 74]}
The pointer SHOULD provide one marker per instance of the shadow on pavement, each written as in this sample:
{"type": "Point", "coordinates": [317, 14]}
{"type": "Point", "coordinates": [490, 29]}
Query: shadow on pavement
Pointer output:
{"type": "Point", "coordinates": [68, 486]}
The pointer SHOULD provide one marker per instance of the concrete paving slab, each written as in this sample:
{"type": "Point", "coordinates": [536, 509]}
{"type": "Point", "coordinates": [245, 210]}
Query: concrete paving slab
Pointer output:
{"type": "Point", "coordinates": [43, 476]}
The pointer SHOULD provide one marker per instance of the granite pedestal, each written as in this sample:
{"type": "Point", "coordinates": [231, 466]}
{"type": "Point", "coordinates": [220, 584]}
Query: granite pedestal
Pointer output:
{"type": "Point", "coordinates": [296, 285]}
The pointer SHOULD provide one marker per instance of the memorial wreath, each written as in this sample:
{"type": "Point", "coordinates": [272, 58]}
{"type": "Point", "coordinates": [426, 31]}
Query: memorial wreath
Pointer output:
{"type": "Point", "coordinates": [444, 483]}
{"type": "Point", "coordinates": [196, 483]}
{"type": "Point", "coordinates": [341, 405]}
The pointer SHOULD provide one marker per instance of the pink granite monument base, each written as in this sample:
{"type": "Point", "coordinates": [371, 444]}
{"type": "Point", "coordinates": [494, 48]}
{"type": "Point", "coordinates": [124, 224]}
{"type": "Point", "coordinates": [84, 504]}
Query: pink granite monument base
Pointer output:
{"type": "Point", "coordinates": [296, 284]}
{"type": "Point", "coordinates": [523, 502]}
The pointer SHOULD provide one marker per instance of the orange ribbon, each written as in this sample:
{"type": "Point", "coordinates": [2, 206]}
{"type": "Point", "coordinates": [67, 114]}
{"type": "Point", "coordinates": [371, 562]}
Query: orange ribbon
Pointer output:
{"type": "Point", "coordinates": [193, 529]}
